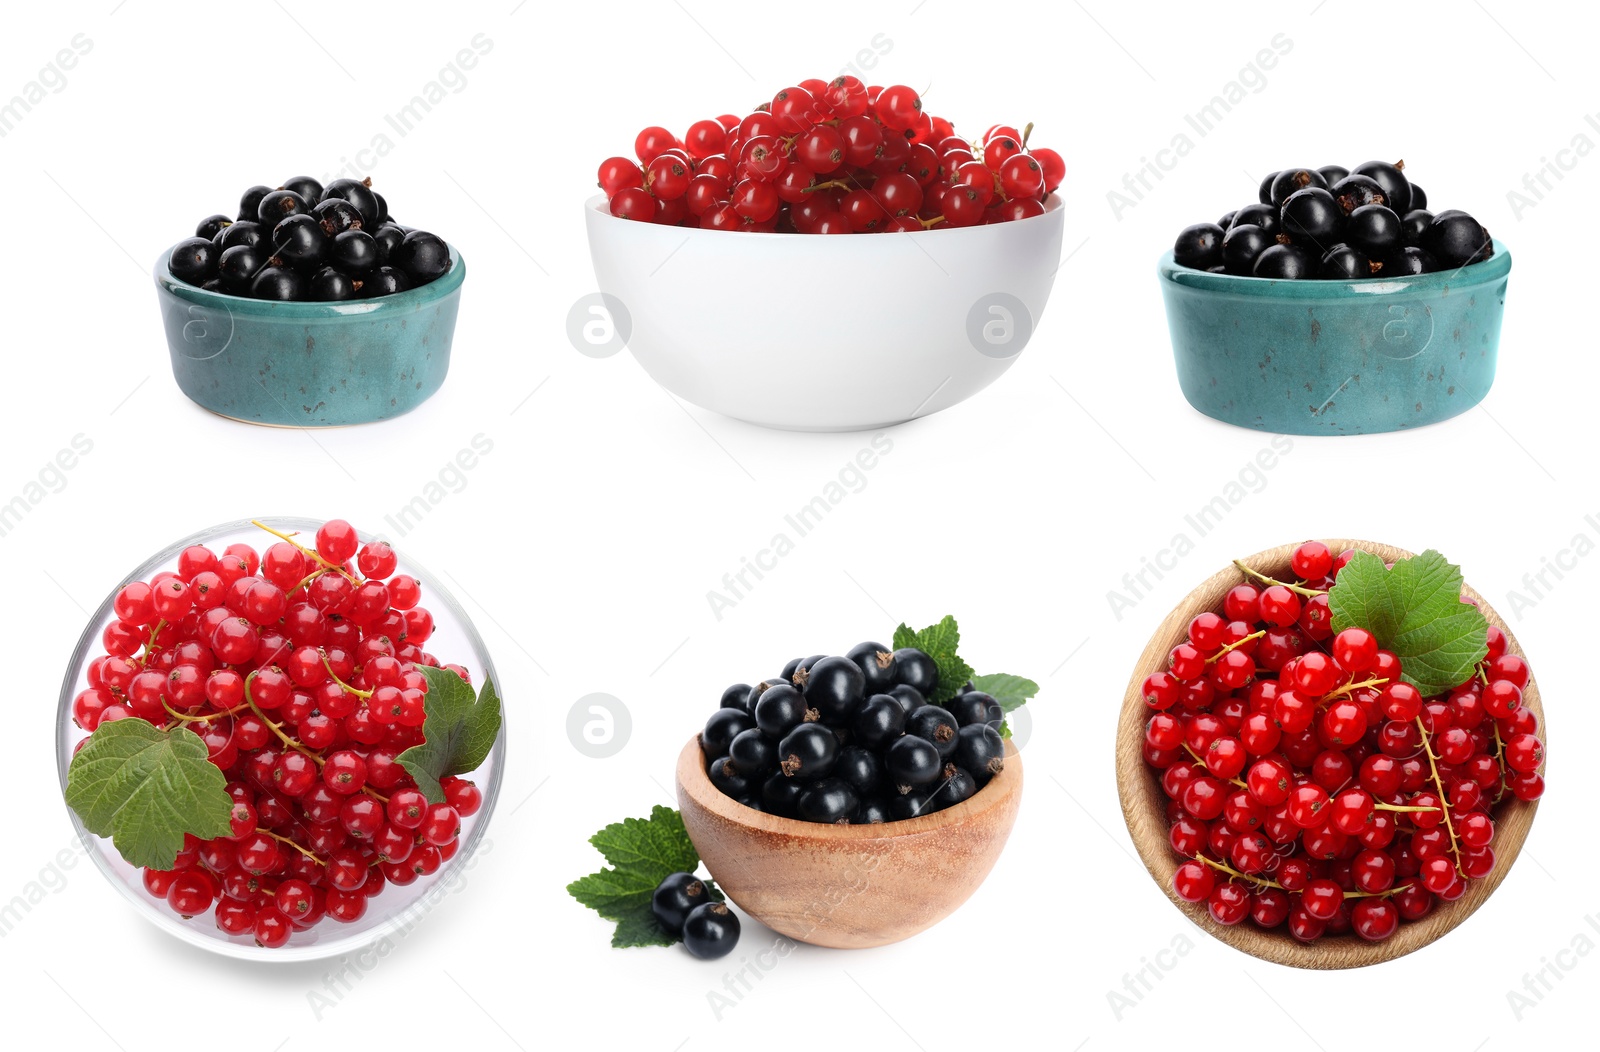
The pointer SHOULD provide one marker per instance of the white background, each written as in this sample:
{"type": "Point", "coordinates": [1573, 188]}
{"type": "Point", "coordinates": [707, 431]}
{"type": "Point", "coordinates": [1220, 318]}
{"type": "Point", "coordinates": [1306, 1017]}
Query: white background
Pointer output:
{"type": "Point", "coordinates": [588, 539]}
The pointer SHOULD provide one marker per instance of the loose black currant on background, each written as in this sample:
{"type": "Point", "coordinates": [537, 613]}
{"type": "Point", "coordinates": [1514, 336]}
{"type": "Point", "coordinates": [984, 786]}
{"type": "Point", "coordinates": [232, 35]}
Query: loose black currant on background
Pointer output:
{"type": "Point", "coordinates": [720, 730]}
{"type": "Point", "coordinates": [913, 762]}
{"type": "Point", "coordinates": [1312, 218]}
{"type": "Point", "coordinates": [279, 283]}
{"type": "Point", "coordinates": [1345, 263]}
{"type": "Point", "coordinates": [877, 664]}
{"type": "Point", "coordinates": [675, 898]}
{"type": "Point", "coordinates": [1291, 181]}
{"type": "Point", "coordinates": [779, 710]}
{"type": "Point", "coordinates": [1409, 262]}
{"type": "Point", "coordinates": [752, 753]}
{"type": "Point", "coordinates": [879, 721]}
{"type": "Point", "coordinates": [1414, 225]}
{"type": "Point", "coordinates": [1198, 246]}
{"type": "Point", "coordinates": [250, 203]}
{"type": "Point", "coordinates": [280, 205]}
{"type": "Point", "coordinates": [385, 281]}
{"type": "Point", "coordinates": [308, 188]}
{"type": "Point", "coordinates": [736, 697]}
{"type": "Point", "coordinates": [831, 800]}
{"type": "Point", "coordinates": [808, 751]}
{"type": "Point", "coordinates": [1286, 262]}
{"type": "Point", "coordinates": [917, 670]}
{"type": "Point", "coordinates": [860, 769]}
{"type": "Point", "coordinates": [909, 697]}
{"type": "Point", "coordinates": [239, 265]}
{"type": "Point", "coordinates": [981, 752]}
{"type": "Point", "coordinates": [1374, 229]}
{"type": "Point", "coordinates": [726, 777]}
{"type": "Point", "coordinates": [1242, 246]}
{"type": "Point", "coordinates": [873, 811]}
{"type": "Point", "coordinates": [194, 260]}
{"type": "Point", "coordinates": [834, 687]}
{"type": "Point", "coordinates": [359, 194]}
{"type": "Point", "coordinates": [1393, 181]}
{"type": "Point", "coordinates": [211, 226]}
{"type": "Point", "coordinates": [336, 215]}
{"type": "Point", "coordinates": [1354, 191]}
{"type": "Point", "coordinates": [354, 252]}
{"type": "Point", "coordinates": [1264, 216]}
{"type": "Point", "coordinates": [329, 285]}
{"type": "Point", "coordinates": [970, 707]}
{"type": "Point", "coordinates": [1455, 239]}
{"type": "Point", "coordinates": [711, 931]}
{"type": "Point", "coordinates": [299, 241]}
{"type": "Point", "coordinates": [935, 724]}
{"type": "Point", "coordinates": [957, 785]}
{"type": "Point", "coordinates": [244, 232]}
{"type": "Point", "coordinates": [422, 255]}
{"type": "Point", "coordinates": [1332, 173]}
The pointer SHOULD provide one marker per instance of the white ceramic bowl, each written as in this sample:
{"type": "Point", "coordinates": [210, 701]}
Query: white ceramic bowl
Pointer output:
{"type": "Point", "coordinates": [819, 333]}
{"type": "Point", "coordinates": [393, 911]}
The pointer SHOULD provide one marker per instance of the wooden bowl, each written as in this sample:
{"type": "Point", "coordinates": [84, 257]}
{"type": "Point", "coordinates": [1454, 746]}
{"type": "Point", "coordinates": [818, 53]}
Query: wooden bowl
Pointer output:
{"type": "Point", "coordinates": [1144, 803]}
{"type": "Point", "coordinates": [847, 886]}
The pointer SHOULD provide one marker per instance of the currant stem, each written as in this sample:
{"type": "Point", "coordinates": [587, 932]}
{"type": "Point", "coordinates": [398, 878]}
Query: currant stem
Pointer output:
{"type": "Point", "coordinates": [1236, 644]}
{"type": "Point", "coordinates": [1444, 800]}
{"type": "Point", "coordinates": [1351, 688]}
{"type": "Point", "coordinates": [150, 644]}
{"type": "Point", "coordinates": [1500, 759]}
{"type": "Point", "coordinates": [1025, 133]}
{"type": "Point", "coordinates": [1402, 808]}
{"type": "Point", "coordinates": [312, 552]}
{"type": "Point", "coordinates": [290, 742]}
{"type": "Point", "coordinates": [335, 676]}
{"type": "Point", "coordinates": [285, 840]}
{"type": "Point", "coordinates": [1201, 763]}
{"type": "Point", "coordinates": [1225, 868]}
{"type": "Point", "coordinates": [1298, 589]}
{"type": "Point", "coordinates": [175, 714]}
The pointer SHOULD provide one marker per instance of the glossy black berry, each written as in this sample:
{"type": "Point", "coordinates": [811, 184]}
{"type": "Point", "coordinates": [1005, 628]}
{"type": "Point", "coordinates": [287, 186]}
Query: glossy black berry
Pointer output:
{"type": "Point", "coordinates": [354, 252]}
{"type": "Point", "coordinates": [860, 768]}
{"type": "Point", "coordinates": [913, 762]}
{"type": "Point", "coordinates": [917, 670]}
{"type": "Point", "coordinates": [873, 811]}
{"type": "Point", "coordinates": [971, 707]}
{"type": "Point", "coordinates": [913, 804]}
{"type": "Point", "coordinates": [1395, 186]}
{"type": "Point", "coordinates": [753, 753]}
{"type": "Point", "coordinates": [1355, 191]}
{"type": "Point", "coordinates": [299, 241]}
{"type": "Point", "coordinates": [1312, 218]}
{"type": "Point", "coordinates": [279, 283]}
{"type": "Point", "coordinates": [1418, 198]}
{"type": "Point", "coordinates": [211, 226]}
{"type": "Point", "coordinates": [1263, 216]}
{"type": "Point", "coordinates": [280, 205]}
{"type": "Point", "coordinates": [1286, 262]}
{"type": "Point", "coordinates": [880, 721]}
{"type": "Point", "coordinates": [981, 752]}
{"type": "Point", "coordinates": [1373, 229]}
{"type": "Point", "coordinates": [359, 194]}
{"type": "Point", "coordinates": [383, 207]}
{"type": "Point", "coordinates": [711, 931]}
{"type": "Point", "coordinates": [336, 215]}
{"type": "Point", "coordinates": [808, 751]}
{"type": "Point", "coordinates": [835, 688]}
{"type": "Point", "coordinates": [1345, 263]}
{"type": "Point", "coordinates": [1414, 225]}
{"type": "Point", "coordinates": [1227, 220]}
{"type": "Point", "coordinates": [760, 689]}
{"type": "Point", "coordinates": [1332, 173]}
{"type": "Point", "coordinates": [831, 800]}
{"type": "Point", "coordinates": [954, 786]}
{"type": "Point", "coordinates": [250, 203]}
{"type": "Point", "coordinates": [1242, 246]}
{"type": "Point", "coordinates": [675, 898]}
{"type": "Point", "coordinates": [909, 697]}
{"type": "Point", "coordinates": [779, 710]}
{"type": "Point", "coordinates": [239, 265]}
{"type": "Point", "coordinates": [385, 281]}
{"type": "Point", "coordinates": [1198, 246]}
{"type": "Point", "coordinates": [935, 724]}
{"type": "Point", "coordinates": [720, 730]}
{"type": "Point", "coordinates": [789, 669]}
{"type": "Point", "coordinates": [781, 794]}
{"type": "Point", "coordinates": [328, 285]}
{"type": "Point", "coordinates": [1409, 262]}
{"type": "Point", "coordinates": [244, 232]}
{"type": "Point", "coordinates": [1264, 192]}
{"type": "Point", "coordinates": [877, 664]}
{"type": "Point", "coordinates": [308, 188]}
{"type": "Point", "coordinates": [194, 260]}
{"type": "Point", "coordinates": [728, 779]}
{"type": "Point", "coordinates": [1455, 239]}
{"type": "Point", "coordinates": [423, 256]}
{"type": "Point", "coordinates": [1291, 181]}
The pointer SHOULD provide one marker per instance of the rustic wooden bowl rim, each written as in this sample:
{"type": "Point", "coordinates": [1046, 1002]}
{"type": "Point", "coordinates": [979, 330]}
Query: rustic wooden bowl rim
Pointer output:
{"type": "Point", "coordinates": [1144, 803]}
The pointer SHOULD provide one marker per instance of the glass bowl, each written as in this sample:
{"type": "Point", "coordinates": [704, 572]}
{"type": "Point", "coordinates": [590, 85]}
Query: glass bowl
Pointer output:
{"type": "Point", "coordinates": [389, 912]}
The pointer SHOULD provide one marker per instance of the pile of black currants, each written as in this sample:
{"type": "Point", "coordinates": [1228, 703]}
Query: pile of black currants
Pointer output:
{"type": "Point", "coordinates": [306, 241]}
{"type": "Point", "coordinates": [1336, 224]}
{"type": "Point", "coordinates": [853, 739]}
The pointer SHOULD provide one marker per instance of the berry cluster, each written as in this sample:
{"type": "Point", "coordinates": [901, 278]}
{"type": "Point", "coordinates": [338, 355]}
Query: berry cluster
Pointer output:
{"type": "Point", "coordinates": [686, 910]}
{"type": "Point", "coordinates": [853, 739]}
{"type": "Point", "coordinates": [830, 157]}
{"type": "Point", "coordinates": [1337, 224]}
{"type": "Point", "coordinates": [306, 241]}
{"type": "Point", "coordinates": [298, 669]}
{"type": "Point", "coordinates": [1310, 785]}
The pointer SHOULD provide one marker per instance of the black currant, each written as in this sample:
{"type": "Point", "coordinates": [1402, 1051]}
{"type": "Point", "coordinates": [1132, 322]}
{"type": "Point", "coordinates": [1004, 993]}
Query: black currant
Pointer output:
{"type": "Point", "coordinates": [971, 707]}
{"type": "Point", "coordinates": [1409, 262]}
{"type": "Point", "coordinates": [1356, 191]}
{"type": "Point", "coordinates": [935, 724]}
{"type": "Point", "coordinates": [1345, 263]}
{"type": "Point", "coordinates": [877, 664]}
{"type": "Point", "coordinates": [710, 931]}
{"type": "Point", "coordinates": [910, 805]}
{"type": "Point", "coordinates": [1263, 216]}
{"type": "Point", "coordinates": [1242, 246]}
{"type": "Point", "coordinates": [385, 281]}
{"type": "Point", "coordinates": [279, 283]}
{"type": "Point", "coordinates": [874, 810]}
{"type": "Point", "coordinates": [211, 226]}
{"type": "Point", "coordinates": [250, 203]}
{"type": "Point", "coordinates": [753, 753]}
{"type": "Point", "coordinates": [1455, 239]}
{"type": "Point", "coordinates": [860, 768]}
{"type": "Point", "coordinates": [1264, 194]}
{"type": "Point", "coordinates": [1332, 173]}
{"type": "Point", "coordinates": [835, 688]}
{"type": "Point", "coordinates": [214, 285]}
{"type": "Point", "coordinates": [912, 762]}
{"type": "Point", "coordinates": [781, 794]}
{"type": "Point", "coordinates": [917, 670]}
{"type": "Point", "coordinates": [383, 207]}
{"type": "Point", "coordinates": [239, 265]}
{"type": "Point", "coordinates": [753, 802]}
{"type": "Point", "coordinates": [1291, 181]}
{"type": "Point", "coordinates": [981, 752]}
{"type": "Point", "coordinates": [779, 710]}
{"type": "Point", "coordinates": [388, 236]}
{"type": "Point", "coordinates": [675, 898]}
{"type": "Point", "coordinates": [1418, 198]}
{"type": "Point", "coordinates": [1312, 218]}
{"type": "Point", "coordinates": [728, 780]}
{"type": "Point", "coordinates": [720, 730]}
{"type": "Point", "coordinates": [880, 721]}
{"type": "Point", "coordinates": [909, 697]}
{"type": "Point", "coordinates": [308, 188]}
{"type": "Point", "coordinates": [299, 241]}
{"type": "Point", "coordinates": [1395, 187]}
{"type": "Point", "coordinates": [328, 285]}
{"type": "Point", "coordinates": [336, 215]}
{"type": "Point", "coordinates": [1414, 225]}
{"type": "Point", "coordinates": [359, 194]}
{"type": "Point", "coordinates": [423, 256]}
{"type": "Point", "coordinates": [832, 800]}
{"type": "Point", "coordinates": [280, 205]}
{"type": "Point", "coordinates": [957, 785]}
{"type": "Point", "coordinates": [1373, 229]}
{"type": "Point", "coordinates": [194, 260]}
{"type": "Point", "coordinates": [354, 251]}
{"type": "Point", "coordinates": [760, 689]}
{"type": "Point", "coordinates": [735, 697]}
{"type": "Point", "coordinates": [1198, 246]}
{"type": "Point", "coordinates": [789, 669]}
{"type": "Point", "coordinates": [244, 232]}
{"type": "Point", "coordinates": [808, 751]}
{"type": "Point", "coordinates": [1227, 220]}
{"type": "Point", "coordinates": [1286, 262]}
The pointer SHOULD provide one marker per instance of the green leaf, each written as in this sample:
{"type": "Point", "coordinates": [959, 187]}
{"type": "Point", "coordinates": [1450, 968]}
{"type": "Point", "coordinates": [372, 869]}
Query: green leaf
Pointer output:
{"type": "Point", "coordinates": [1012, 692]}
{"type": "Point", "coordinates": [641, 852]}
{"type": "Point", "coordinates": [1414, 610]}
{"type": "Point", "coordinates": [145, 788]}
{"type": "Point", "coordinates": [459, 731]}
{"type": "Point", "coordinates": [939, 642]}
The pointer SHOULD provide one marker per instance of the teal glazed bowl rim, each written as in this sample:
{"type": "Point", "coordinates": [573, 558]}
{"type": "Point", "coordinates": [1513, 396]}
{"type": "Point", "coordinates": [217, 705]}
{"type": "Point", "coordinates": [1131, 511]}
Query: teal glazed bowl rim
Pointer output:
{"type": "Point", "coordinates": [1494, 268]}
{"type": "Point", "coordinates": [313, 310]}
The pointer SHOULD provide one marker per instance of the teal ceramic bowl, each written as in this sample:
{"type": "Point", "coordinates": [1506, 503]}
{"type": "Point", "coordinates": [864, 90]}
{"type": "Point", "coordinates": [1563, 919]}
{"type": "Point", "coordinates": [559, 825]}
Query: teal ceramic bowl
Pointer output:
{"type": "Point", "coordinates": [1336, 357]}
{"type": "Point", "coordinates": [310, 364]}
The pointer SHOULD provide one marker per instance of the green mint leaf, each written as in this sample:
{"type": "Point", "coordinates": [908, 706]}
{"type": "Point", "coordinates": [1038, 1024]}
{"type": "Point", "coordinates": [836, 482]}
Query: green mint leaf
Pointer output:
{"type": "Point", "coordinates": [1012, 692]}
{"type": "Point", "coordinates": [641, 853]}
{"type": "Point", "coordinates": [459, 731]}
{"type": "Point", "coordinates": [145, 788]}
{"type": "Point", "coordinates": [939, 642]}
{"type": "Point", "coordinates": [1414, 610]}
